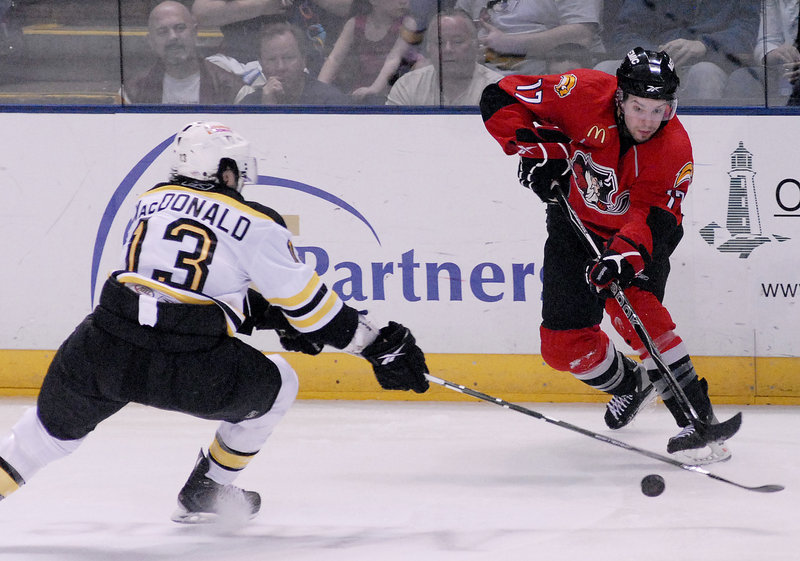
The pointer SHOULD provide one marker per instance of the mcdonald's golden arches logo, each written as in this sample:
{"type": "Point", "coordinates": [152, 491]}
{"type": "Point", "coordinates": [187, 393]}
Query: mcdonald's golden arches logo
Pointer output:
{"type": "Point", "coordinates": [597, 133]}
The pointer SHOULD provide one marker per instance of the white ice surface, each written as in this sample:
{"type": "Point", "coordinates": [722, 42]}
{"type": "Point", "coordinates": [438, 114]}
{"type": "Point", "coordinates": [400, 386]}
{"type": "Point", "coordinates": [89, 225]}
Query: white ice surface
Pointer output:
{"type": "Point", "coordinates": [417, 481]}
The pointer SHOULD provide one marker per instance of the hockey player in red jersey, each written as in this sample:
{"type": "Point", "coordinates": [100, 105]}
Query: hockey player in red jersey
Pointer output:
{"type": "Point", "coordinates": [161, 333]}
{"type": "Point", "coordinates": [614, 145]}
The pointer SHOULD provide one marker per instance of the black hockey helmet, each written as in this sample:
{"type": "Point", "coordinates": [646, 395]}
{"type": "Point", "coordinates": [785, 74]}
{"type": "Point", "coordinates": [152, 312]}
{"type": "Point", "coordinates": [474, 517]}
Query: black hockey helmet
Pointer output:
{"type": "Point", "coordinates": [646, 73]}
{"type": "Point", "coordinates": [649, 74]}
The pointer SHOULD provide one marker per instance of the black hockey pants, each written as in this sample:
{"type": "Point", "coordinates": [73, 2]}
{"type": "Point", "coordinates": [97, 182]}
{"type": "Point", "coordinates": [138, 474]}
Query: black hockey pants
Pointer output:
{"type": "Point", "coordinates": [185, 363]}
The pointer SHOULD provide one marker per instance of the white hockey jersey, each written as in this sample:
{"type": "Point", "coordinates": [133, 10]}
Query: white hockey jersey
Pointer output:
{"type": "Point", "coordinates": [208, 247]}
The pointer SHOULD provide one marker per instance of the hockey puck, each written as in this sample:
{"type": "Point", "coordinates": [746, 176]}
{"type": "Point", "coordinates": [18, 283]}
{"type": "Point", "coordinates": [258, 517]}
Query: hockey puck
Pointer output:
{"type": "Point", "coordinates": [652, 485]}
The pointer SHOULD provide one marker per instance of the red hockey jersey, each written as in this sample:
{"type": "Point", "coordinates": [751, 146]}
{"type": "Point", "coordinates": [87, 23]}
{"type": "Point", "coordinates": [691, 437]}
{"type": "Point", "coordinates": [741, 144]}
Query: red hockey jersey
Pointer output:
{"type": "Point", "coordinates": [609, 192]}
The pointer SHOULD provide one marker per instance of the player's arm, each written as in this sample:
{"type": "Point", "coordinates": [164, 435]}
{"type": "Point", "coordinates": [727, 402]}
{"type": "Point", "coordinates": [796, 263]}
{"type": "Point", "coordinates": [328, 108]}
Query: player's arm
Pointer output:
{"type": "Point", "coordinates": [657, 194]}
{"type": "Point", "coordinates": [293, 300]}
{"type": "Point", "coordinates": [660, 206]}
{"type": "Point", "coordinates": [398, 363]}
{"type": "Point", "coordinates": [520, 102]}
{"type": "Point", "coordinates": [652, 228]}
{"type": "Point", "coordinates": [543, 151]}
{"type": "Point", "coordinates": [503, 115]}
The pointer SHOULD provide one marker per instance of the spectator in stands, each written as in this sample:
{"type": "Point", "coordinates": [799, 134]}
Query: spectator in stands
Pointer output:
{"type": "Point", "coordinates": [566, 57]}
{"type": "Point", "coordinates": [415, 25]}
{"type": "Point", "coordinates": [516, 34]}
{"type": "Point", "coordinates": [241, 23]}
{"type": "Point", "coordinates": [776, 51]}
{"type": "Point", "coordinates": [180, 75]}
{"type": "Point", "coordinates": [359, 63]}
{"type": "Point", "coordinates": [706, 40]}
{"type": "Point", "coordinates": [454, 76]}
{"type": "Point", "coordinates": [284, 48]}
{"type": "Point", "coordinates": [608, 22]}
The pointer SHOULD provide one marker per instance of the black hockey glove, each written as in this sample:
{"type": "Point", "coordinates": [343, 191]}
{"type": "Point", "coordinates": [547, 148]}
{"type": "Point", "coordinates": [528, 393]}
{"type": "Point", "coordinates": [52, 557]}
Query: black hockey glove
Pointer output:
{"type": "Point", "coordinates": [397, 361]}
{"type": "Point", "coordinates": [264, 316]}
{"type": "Point", "coordinates": [543, 165]}
{"type": "Point", "coordinates": [621, 262]}
{"type": "Point", "coordinates": [293, 340]}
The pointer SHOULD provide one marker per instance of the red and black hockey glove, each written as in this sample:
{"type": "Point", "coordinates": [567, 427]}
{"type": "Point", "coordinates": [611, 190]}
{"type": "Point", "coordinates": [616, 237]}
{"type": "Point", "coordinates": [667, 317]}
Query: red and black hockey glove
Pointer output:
{"type": "Point", "coordinates": [543, 163]}
{"type": "Point", "coordinates": [397, 361]}
{"type": "Point", "coordinates": [621, 262]}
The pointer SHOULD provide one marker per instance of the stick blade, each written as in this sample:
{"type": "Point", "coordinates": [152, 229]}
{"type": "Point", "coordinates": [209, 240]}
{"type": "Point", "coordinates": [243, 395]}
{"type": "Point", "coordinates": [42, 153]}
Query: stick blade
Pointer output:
{"type": "Point", "coordinates": [718, 432]}
{"type": "Point", "coordinates": [768, 488]}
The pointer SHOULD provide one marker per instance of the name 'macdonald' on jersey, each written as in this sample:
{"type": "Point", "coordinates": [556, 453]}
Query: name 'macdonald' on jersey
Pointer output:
{"type": "Point", "coordinates": [191, 203]}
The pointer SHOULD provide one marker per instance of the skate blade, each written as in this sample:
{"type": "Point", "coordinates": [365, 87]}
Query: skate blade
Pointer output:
{"type": "Point", "coordinates": [225, 516]}
{"type": "Point", "coordinates": [183, 516]}
{"type": "Point", "coordinates": [712, 453]}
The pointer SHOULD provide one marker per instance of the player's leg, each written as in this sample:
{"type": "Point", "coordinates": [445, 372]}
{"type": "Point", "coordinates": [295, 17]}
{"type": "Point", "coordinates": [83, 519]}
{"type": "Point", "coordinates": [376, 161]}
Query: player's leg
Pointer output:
{"type": "Point", "coordinates": [236, 443]}
{"type": "Point", "coordinates": [570, 334]}
{"type": "Point", "coordinates": [27, 449]}
{"type": "Point", "coordinates": [67, 409]}
{"type": "Point", "coordinates": [591, 357]}
{"type": "Point", "coordinates": [257, 392]}
{"type": "Point", "coordinates": [659, 324]}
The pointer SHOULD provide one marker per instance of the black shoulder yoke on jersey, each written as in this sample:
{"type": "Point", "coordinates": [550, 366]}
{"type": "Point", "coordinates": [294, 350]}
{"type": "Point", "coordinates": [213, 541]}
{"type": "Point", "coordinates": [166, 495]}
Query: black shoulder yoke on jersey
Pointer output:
{"type": "Point", "coordinates": [228, 192]}
{"type": "Point", "coordinates": [493, 99]}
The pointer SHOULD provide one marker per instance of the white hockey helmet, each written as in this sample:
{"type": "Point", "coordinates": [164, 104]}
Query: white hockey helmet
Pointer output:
{"type": "Point", "coordinates": [199, 147]}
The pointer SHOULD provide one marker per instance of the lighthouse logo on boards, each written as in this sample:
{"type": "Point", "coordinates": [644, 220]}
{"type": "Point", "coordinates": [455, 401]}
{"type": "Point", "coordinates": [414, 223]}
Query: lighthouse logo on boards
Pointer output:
{"type": "Point", "coordinates": [743, 231]}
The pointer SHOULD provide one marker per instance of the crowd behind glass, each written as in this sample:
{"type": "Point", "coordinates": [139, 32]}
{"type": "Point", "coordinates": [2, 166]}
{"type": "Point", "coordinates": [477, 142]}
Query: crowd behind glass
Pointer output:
{"type": "Point", "coordinates": [380, 52]}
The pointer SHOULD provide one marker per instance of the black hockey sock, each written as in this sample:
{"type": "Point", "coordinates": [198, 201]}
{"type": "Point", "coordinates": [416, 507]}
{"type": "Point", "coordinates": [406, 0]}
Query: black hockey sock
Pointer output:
{"type": "Point", "coordinates": [696, 390]}
{"type": "Point", "coordinates": [631, 377]}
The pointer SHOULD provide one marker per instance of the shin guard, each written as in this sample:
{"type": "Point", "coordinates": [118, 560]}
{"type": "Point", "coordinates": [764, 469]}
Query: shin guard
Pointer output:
{"type": "Point", "coordinates": [28, 449]}
{"type": "Point", "coordinates": [590, 356]}
{"type": "Point", "coordinates": [235, 444]}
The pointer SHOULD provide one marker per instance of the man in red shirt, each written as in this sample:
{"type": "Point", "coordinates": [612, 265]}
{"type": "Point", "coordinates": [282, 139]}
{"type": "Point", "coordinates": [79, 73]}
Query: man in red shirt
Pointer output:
{"type": "Point", "coordinates": [615, 146]}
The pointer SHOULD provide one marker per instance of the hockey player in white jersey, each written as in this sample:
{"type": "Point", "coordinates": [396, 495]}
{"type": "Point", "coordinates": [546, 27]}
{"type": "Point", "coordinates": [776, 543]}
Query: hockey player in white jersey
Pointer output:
{"type": "Point", "coordinates": [199, 264]}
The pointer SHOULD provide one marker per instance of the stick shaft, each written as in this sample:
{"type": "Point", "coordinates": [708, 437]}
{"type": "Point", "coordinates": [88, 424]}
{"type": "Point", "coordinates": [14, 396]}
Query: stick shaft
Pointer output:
{"type": "Point", "coordinates": [630, 313]}
{"type": "Point", "coordinates": [591, 434]}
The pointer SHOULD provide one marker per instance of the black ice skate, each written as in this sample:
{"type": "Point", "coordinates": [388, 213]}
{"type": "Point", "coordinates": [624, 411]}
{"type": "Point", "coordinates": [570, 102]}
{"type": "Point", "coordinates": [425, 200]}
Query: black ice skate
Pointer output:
{"type": "Point", "coordinates": [202, 500]}
{"type": "Point", "coordinates": [621, 410]}
{"type": "Point", "coordinates": [689, 446]}
{"type": "Point", "coordinates": [692, 449]}
{"type": "Point", "coordinates": [687, 439]}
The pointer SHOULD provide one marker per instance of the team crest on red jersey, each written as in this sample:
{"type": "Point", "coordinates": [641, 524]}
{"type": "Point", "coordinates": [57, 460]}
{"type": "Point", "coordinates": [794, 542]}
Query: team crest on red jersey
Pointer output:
{"type": "Point", "coordinates": [598, 185]}
{"type": "Point", "coordinates": [678, 191]}
{"type": "Point", "coordinates": [565, 85]}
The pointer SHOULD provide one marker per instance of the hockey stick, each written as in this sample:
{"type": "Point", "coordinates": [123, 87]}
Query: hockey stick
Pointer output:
{"type": "Point", "coordinates": [597, 436]}
{"type": "Point", "coordinates": [709, 432]}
